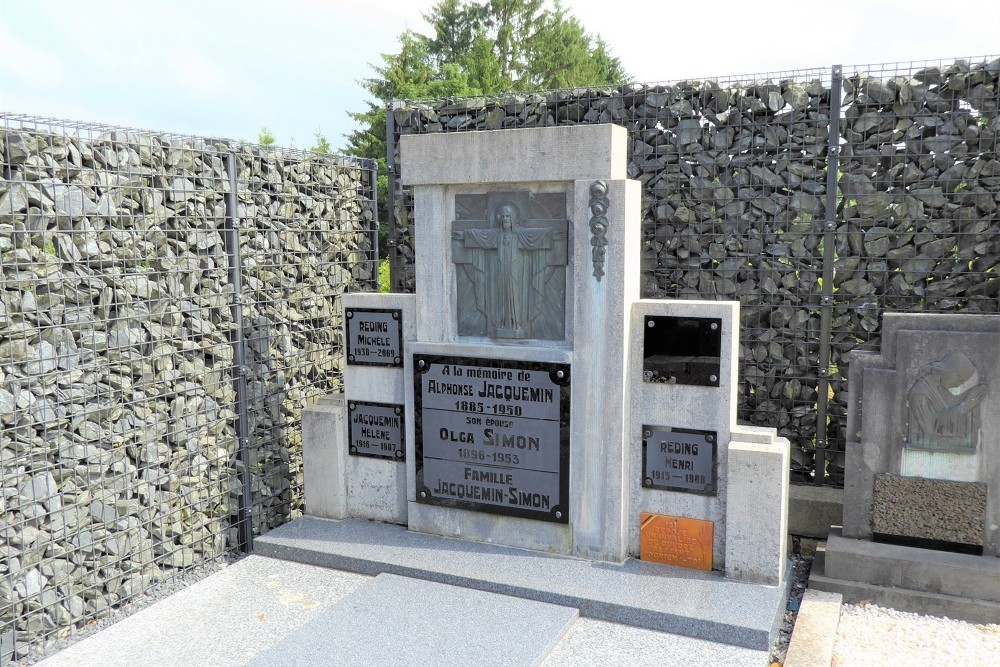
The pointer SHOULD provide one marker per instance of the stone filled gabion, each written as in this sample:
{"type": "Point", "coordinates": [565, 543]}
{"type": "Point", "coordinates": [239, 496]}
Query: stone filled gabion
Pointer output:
{"type": "Point", "coordinates": [734, 207]}
{"type": "Point", "coordinates": [118, 411]}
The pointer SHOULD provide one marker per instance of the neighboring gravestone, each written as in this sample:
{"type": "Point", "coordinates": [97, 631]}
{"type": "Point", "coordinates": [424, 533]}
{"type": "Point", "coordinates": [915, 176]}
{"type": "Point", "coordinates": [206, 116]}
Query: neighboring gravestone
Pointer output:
{"type": "Point", "coordinates": [923, 470]}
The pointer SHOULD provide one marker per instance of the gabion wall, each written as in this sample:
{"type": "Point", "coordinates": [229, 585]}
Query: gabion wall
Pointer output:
{"type": "Point", "coordinates": [817, 198]}
{"type": "Point", "coordinates": [132, 284]}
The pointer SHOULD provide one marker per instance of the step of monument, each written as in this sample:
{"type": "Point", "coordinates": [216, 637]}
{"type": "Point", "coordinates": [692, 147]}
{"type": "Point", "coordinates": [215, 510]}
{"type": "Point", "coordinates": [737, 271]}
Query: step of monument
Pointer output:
{"type": "Point", "coordinates": [691, 603]}
{"type": "Point", "coordinates": [926, 570]}
{"type": "Point", "coordinates": [917, 602]}
{"type": "Point", "coordinates": [396, 620]}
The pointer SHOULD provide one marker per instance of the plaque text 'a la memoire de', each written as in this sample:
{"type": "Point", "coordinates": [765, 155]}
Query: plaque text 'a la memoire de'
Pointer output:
{"type": "Point", "coordinates": [374, 336]}
{"type": "Point", "coordinates": [493, 436]}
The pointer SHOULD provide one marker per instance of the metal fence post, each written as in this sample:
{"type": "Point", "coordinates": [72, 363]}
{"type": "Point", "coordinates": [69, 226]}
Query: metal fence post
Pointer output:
{"type": "Point", "coordinates": [826, 296]}
{"type": "Point", "coordinates": [371, 170]}
{"type": "Point", "coordinates": [392, 195]}
{"type": "Point", "coordinates": [232, 241]}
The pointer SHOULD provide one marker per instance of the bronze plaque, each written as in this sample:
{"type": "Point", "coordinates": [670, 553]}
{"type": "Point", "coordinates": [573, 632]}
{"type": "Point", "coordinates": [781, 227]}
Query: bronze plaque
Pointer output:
{"type": "Point", "coordinates": [676, 540]}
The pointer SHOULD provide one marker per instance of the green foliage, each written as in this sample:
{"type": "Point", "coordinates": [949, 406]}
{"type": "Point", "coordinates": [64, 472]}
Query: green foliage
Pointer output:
{"type": "Point", "coordinates": [480, 47]}
{"type": "Point", "coordinates": [265, 138]}
{"type": "Point", "coordinates": [322, 146]}
{"type": "Point", "coordinates": [384, 283]}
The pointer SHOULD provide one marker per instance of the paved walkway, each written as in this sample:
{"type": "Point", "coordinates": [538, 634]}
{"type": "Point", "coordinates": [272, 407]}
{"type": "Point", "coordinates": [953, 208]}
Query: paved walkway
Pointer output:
{"type": "Point", "coordinates": [263, 611]}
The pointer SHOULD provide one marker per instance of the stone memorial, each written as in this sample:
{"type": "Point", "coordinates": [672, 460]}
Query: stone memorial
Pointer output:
{"type": "Point", "coordinates": [922, 488]}
{"type": "Point", "coordinates": [526, 397]}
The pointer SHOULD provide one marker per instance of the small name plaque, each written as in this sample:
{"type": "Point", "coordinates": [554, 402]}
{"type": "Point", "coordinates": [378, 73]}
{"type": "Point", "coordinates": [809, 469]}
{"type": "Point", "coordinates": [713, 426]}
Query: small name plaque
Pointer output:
{"type": "Point", "coordinates": [676, 540]}
{"type": "Point", "coordinates": [677, 459]}
{"type": "Point", "coordinates": [493, 436]}
{"type": "Point", "coordinates": [376, 430]}
{"type": "Point", "coordinates": [374, 336]}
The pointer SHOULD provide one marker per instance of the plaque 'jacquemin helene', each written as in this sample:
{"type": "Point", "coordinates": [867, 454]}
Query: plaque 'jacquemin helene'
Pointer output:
{"type": "Point", "coordinates": [493, 436]}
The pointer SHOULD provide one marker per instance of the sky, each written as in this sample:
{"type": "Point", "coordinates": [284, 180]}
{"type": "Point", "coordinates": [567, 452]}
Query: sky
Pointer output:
{"type": "Point", "coordinates": [227, 68]}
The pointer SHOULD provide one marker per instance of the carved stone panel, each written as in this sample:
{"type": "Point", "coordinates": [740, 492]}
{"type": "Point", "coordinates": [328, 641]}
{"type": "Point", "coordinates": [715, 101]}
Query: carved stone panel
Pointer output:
{"type": "Point", "coordinates": [510, 252]}
{"type": "Point", "coordinates": [943, 405]}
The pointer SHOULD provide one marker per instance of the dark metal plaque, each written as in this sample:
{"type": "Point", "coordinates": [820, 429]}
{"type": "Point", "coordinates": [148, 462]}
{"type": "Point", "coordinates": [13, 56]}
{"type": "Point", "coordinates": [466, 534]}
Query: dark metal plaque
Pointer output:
{"type": "Point", "coordinates": [376, 430]}
{"type": "Point", "coordinates": [493, 435]}
{"type": "Point", "coordinates": [374, 336]}
{"type": "Point", "coordinates": [682, 350]}
{"type": "Point", "coordinates": [677, 459]}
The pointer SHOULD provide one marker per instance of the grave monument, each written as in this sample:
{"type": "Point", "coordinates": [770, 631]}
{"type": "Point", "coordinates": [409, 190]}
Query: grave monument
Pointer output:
{"type": "Point", "coordinates": [922, 488]}
{"type": "Point", "coordinates": [526, 397]}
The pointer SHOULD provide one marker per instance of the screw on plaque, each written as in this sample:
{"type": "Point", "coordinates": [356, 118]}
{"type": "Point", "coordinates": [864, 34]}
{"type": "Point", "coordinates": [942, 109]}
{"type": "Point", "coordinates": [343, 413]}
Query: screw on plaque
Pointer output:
{"type": "Point", "coordinates": [398, 410]}
{"type": "Point", "coordinates": [350, 314]}
{"type": "Point", "coordinates": [353, 406]}
{"type": "Point", "coordinates": [650, 323]}
{"type": "Point", "coordinates": [714, 326]}
{"type": "Point", "coordinates": [423, 494]}
{"type": "Point", "coordinates": [395, 316]}
{"type": "Point", "coordinates": [353, 449]}
{"type": "Point", "coordinates": [647, 481]}
{"type": "Point", "coordinates": [421, 363]}
{"type": "Point", "coordinates": [560, 375]}
{"type": "Point", "coordinates": [350, 357]}
{"type": "Point", "coordinates": [558, 514]}
{"type": "Point", "coordinates": [399, 453]}
{"type": "Point", "coordinates": [395, 360]}
{"type": "Point", "coordinates": [647, 433]}
{"type": "Point", "coordinates": [648, 375]}
{"type": "Point", "coordinates": [713, 378]}
{"type": "Point", "coordinates": [709, 437]}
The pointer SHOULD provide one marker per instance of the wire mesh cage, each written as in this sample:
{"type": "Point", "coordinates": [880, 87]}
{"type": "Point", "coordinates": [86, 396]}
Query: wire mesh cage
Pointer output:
{"type": "Point", "coordinates": [818, 198]}
{"type": "Point", "coordinates": [124, 307]}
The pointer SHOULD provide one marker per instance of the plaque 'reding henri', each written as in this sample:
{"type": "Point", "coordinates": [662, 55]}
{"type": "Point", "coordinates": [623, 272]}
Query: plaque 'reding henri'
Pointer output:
{"type": "Point", "coordinates": [676, 459]}
{"type": "Point", "coordinates": [374, 336]}
{"type": "Point", "coordinates": [493, 436]}
{"type": "Point", "coordinates": [510, 255]}
{"type": "Point", "coordinates": [376, 430]}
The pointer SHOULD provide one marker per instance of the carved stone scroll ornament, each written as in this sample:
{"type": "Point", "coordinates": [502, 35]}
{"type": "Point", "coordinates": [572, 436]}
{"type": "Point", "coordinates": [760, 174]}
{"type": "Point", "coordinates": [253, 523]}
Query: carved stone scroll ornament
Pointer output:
{"type": "Point", "coordinates": [599, 225]}
{"type": "Point", "coordinates": [943, 405]}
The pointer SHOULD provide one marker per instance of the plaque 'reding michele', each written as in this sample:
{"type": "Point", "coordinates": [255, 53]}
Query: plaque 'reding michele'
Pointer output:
{"type": "Point", "coordinates": [374, 336]}
{"type": "Point", "coordinates": [493, 436]}
{"type": "Point", "coordinates": [510, 255]}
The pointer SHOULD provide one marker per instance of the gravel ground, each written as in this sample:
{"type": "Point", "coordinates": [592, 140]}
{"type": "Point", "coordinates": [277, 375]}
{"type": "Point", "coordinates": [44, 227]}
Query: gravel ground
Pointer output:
{"type": "Point", "coordinates": [873, 635]}
{"type": "Point", "coordinates": [68, 637]}
{"type": "Point", "coordinates": [802, 551]}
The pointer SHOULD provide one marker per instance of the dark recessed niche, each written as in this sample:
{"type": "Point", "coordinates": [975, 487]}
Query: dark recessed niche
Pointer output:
{"type": "Point", "coordinates": [682, 350]}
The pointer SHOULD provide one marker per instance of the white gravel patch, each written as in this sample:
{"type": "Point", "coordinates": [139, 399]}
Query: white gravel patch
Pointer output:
{"type": "Point", "coordinates": [872, 635]}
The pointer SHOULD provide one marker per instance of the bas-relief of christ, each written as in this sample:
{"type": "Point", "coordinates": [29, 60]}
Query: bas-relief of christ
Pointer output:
{"type": "Point", "coordinates": [511, 276]}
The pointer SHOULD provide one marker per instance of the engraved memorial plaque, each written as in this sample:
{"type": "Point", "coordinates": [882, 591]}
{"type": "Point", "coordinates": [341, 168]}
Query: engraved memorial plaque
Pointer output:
{"type": "Point", "coordinates": [493, 436]}
{"type": "Point", "coordinates": [677, 459]}
{"type": "Point", "coordinates": [376, 430]}
{"type": "Point", "coordinates": [374, 336]}
{"type": "Point", "coordinates": [676, 540]}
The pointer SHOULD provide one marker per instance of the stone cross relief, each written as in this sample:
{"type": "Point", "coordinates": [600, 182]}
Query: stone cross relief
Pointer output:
{"type": "Point", "coordinates": [943, 405]}
{"type": "Point", "coordinates": [510, 255]}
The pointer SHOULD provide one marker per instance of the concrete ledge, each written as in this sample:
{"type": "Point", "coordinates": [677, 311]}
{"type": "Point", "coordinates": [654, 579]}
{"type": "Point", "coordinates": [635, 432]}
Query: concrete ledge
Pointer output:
{"type": "Point", "coordinates": [925, 570]}
{"type": "Point", "coordinates": [815, 630]}
{"type": "Point", "coordinates": [917, 602]}
{"type": "Point", "coordinates": [692, 603]}
{"type": "Point", "coordinates": [503, 156]}
{"type": "Point", "coordinates": [813, 509]}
